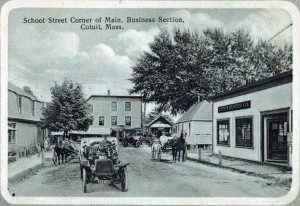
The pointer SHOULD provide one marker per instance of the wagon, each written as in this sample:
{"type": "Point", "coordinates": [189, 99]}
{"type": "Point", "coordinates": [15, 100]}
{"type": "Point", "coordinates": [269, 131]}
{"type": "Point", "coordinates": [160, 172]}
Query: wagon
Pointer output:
{"type": "Point", "coordinates": [157, 150]}
{"type": "Point", "coordinates": [64, 152]}
{"type": "Point", "coordinates": [99, 164]}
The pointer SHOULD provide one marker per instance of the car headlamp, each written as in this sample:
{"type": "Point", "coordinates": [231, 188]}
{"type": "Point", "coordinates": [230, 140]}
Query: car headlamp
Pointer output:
{"type": "Point", "coordinates": [116, 167]}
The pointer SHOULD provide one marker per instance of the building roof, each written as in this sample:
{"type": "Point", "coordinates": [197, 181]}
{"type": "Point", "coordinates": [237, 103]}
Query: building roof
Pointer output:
{"type": "Point", "coordinates": [114, 96]}
{"type": "Point", "coordinates": [21, 92]}
{"type": "Point", "coordinates": [164, 121]}
{"type": "Point", "coordinates": [273, 81]}
{"type": "Point", "coordinates": [199, 111]}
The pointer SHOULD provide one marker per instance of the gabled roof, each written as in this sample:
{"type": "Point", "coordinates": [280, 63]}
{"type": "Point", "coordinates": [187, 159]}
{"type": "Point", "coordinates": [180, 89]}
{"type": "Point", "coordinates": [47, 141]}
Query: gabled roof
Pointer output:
{"type": "Point", "coordinates": [157, 118]}
{"type": "Point", "coordinates": [199, 111]}
{"type": "Point", "coordinates": [21, 92]}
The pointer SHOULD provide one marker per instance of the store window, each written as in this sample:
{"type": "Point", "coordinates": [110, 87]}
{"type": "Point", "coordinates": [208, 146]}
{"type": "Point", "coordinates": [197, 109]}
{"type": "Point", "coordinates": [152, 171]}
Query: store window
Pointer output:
{"type": "Point", "coordinates": [244, 134]}
{"type": "Point", "coordinates": [101, 120]}
{"type": "Point", "coordinates": [114, 106]}
{"type": "Point", "coordinates": [114, 121]}
{"type": "Point", "coordinates": [128, 121]}
{"type": "Point", "coordinates": [223, 132]}
{"type": "Point", "coordinates": [11, 133]}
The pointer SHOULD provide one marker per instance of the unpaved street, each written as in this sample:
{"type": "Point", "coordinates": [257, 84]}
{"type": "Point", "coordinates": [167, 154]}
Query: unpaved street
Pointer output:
{"type": "Point", "coordinates": [149, 178]}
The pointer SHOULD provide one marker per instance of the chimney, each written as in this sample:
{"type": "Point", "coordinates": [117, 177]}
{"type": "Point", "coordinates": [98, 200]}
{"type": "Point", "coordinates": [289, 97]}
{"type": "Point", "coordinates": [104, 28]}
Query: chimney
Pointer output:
{"type": "Point", "coordinates": [108, 92]}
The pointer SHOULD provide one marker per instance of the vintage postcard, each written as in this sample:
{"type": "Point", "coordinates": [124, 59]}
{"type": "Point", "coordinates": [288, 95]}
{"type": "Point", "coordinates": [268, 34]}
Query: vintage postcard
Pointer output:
{"type": "Point", "coordinates": [150, 103]}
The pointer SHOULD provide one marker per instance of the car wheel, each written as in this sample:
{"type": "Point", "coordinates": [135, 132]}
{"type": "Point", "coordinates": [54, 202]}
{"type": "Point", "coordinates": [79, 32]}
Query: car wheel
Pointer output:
{"type": "Point", "coordinates": [125, 143]}
{"type": "Point", "coordinates": [124, 183]}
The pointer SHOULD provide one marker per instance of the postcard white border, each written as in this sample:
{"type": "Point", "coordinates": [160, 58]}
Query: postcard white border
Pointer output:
{"type": "Point", "coordinates": [289, 7]}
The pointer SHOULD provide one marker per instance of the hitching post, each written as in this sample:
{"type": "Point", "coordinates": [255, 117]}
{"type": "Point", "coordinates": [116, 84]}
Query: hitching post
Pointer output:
{"type": "Point", "coordinates": [43, 156]}
{"type": "Point", "coordinates": [199, 153]}
{"type": "Point", "coordinates": [220, 158]}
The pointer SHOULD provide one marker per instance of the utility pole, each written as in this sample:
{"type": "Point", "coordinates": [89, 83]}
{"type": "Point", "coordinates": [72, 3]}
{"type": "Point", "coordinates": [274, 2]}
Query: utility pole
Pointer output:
{"type": "Point", "coordinates": [144, 118]}
{"type": "Point", "coordinates": [280, 31]}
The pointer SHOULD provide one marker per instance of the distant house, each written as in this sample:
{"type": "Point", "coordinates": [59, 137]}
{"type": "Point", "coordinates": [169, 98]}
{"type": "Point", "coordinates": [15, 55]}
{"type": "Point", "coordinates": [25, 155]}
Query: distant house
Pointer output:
{"type": "Point", "coordinates": [196, 124]}
{"type": "Point", "coordinates": [159, 125]}
{"type": "Point", "coordinates": [24, 115]}
{"type": "Point", "coordinates": [113, 114]}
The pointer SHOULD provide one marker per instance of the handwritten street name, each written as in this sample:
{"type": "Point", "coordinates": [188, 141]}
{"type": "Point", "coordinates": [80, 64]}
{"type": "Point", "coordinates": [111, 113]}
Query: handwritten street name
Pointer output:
{"type": "Point", "coordinates": [236, 106]}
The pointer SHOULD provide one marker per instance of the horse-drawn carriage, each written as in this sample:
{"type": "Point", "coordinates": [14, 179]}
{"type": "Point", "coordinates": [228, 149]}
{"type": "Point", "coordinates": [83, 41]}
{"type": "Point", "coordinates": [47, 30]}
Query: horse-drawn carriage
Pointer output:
{"type": "Point", "coordinates": [64, 151]}
{"type": "Point", "coordinates": [99, 163]}
{"type": "Point", "coordinates": [173, 145]}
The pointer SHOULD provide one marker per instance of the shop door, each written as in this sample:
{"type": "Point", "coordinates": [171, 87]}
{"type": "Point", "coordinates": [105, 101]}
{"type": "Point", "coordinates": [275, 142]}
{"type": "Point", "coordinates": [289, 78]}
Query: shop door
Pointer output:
{"type": "Point", "coordinates": [277, 138]}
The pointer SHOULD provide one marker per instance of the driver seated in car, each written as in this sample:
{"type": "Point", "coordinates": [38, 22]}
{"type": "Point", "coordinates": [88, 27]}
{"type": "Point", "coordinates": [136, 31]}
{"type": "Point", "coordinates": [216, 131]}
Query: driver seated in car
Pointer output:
{"type": "Point", "coordinates": [105, 142]}
{"type": "Point", "coordinates": [163, 139]}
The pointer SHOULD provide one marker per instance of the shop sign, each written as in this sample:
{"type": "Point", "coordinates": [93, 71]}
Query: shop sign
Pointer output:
{"type": "Point", "coordinates": [203, 139]}
{"type": "Point", "coordinates": [236, 106]}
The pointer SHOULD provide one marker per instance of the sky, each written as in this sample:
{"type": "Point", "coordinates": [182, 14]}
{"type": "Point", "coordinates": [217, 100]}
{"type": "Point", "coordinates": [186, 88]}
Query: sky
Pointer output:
{"type": "Point", "coordinates": [41, 53]}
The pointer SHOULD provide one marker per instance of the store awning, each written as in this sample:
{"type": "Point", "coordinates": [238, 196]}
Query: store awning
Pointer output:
{"type": "Point", "coordinates": [157, 125]}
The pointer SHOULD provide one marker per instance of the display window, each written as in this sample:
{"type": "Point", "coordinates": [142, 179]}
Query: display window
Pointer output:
{"type": "Point", "coordinates": [244, 133]}
{"type": "Point", "coordinates": [223, 132]}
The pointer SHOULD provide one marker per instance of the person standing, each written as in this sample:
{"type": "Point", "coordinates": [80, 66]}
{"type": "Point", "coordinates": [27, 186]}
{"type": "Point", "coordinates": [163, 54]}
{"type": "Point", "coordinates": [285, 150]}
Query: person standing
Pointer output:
{"type": "Point", "coordinates": [163, 139]}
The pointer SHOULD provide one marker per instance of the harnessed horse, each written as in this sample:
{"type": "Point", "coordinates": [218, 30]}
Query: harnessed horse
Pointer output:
{"type": "Point", "coordinates": [63, 149]}
{"type": "Point", "coordinates": [178, 145]}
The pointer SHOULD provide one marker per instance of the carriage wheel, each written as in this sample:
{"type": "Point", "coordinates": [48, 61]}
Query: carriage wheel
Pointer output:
{"type": "Point", "coordinates": [125, 143]}
{"type": "Point", "coordinates": [153, 154]}
{"type": "Point", "coordinates": [84, 180]}
{"type": "Point", "coordinates": [55, 158]}
{"type": "Point", "coordinates": [137, 144]}
{"type": "Point", "coordinates": [124, 183]}
{"type": "Point", "coordinates": [184, 157]}
{"type": "Point", "coordinates": [159, 155]}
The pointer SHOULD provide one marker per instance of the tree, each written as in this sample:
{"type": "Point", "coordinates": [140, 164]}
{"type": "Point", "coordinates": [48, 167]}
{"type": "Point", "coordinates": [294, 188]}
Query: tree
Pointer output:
{"type": "Point", "coordinates": [180, 69]}
{"type": "Point", "coordinates": [28, 90]}
{"type": "Point", "coordinates": [67, 110]}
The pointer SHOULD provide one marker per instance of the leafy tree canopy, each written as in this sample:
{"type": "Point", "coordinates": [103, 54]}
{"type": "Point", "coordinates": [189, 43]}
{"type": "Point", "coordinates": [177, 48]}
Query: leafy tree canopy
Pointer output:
{"type": "Point", "coordinates": [180, 69]}
{"type": "Point", "coordinates": [67, 110]}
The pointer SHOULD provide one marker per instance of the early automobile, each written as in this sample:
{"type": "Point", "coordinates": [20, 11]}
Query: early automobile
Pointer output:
{"type": "Point", "coordinates": [135, 140]}
{"type": "Point", "coordinates": [99, 163]}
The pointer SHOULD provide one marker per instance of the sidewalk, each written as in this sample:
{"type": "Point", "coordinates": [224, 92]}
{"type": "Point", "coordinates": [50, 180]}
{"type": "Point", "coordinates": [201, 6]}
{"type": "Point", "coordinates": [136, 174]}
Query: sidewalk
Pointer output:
{"type": "Point", "coordinates": [24, 164]}
{"type": "Point", "coordinates": [247, 167]}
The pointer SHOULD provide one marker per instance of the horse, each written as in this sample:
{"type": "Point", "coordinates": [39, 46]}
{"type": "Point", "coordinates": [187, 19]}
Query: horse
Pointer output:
{"type": "Point", "coordinates": [63, 149]}
{"type": "Point", "coordinates": [178, 145]}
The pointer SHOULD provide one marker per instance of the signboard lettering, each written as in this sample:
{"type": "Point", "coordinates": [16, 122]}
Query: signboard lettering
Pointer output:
{"type": "Point", "coordinates": [236, 106]}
